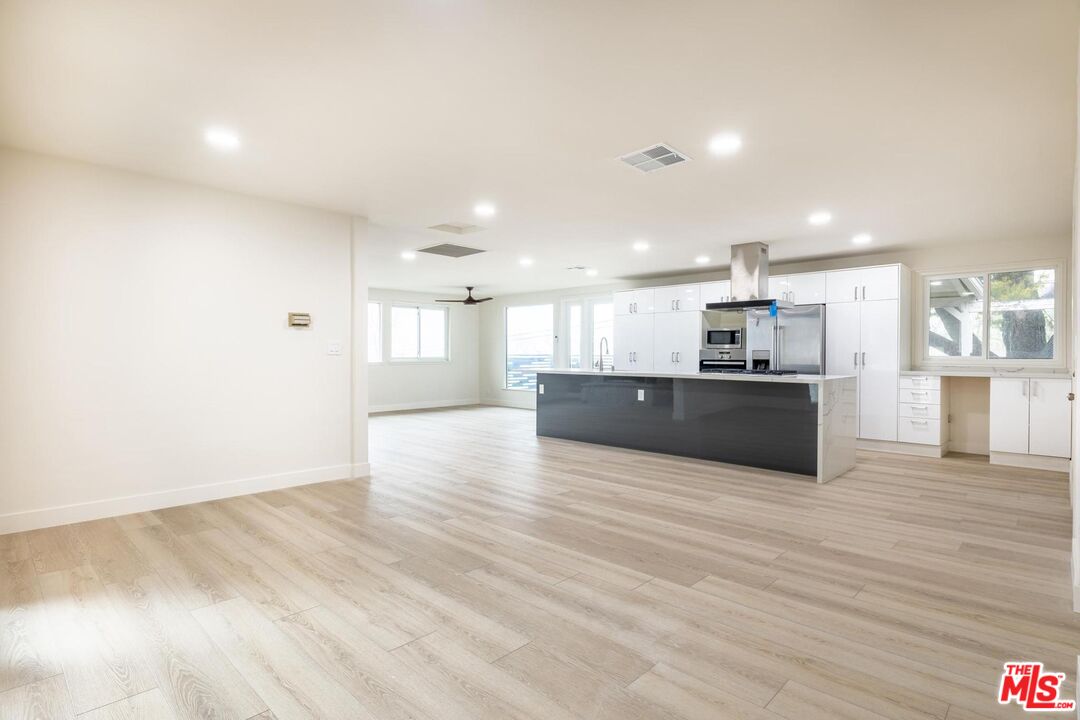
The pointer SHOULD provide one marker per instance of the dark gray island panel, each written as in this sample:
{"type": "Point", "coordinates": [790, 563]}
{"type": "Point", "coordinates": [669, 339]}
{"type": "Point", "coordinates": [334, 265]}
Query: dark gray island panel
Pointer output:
{"type": "Point", "coordinates": [770, 425]}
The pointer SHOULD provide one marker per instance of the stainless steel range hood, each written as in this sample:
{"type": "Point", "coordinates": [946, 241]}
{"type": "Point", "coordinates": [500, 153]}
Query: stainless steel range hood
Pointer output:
{"type": "Point", "coordinates": [749, 279]}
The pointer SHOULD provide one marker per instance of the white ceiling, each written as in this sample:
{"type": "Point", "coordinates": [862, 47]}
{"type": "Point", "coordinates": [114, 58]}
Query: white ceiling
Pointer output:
{"type": "Point", "coordinates": [918, 121]}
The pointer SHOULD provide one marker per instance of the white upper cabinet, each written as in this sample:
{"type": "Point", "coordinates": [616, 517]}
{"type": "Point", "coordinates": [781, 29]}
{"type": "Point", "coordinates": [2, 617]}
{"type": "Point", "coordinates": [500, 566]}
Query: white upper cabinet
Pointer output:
{"type": "Point", "coordinates": [634, 302]}
{"type": "Point", "coordinates": [880, 283]}
{"type": "Point", "coordinates": [842, 286]}
{"type": "Point", "coordinates": [1009, 415]}
{"type": "Point", "coordinates": [874, 283]}
{"type": "Point", "coordinates": [1050, 418]}
{"type": "Point", "coordinates": [801, 289]}
{"type": "Point", "coordinates": [677, 298]}
{"type": "Point", "coordinates": [806, 288]}
{"type": "Point", "coordinates": [714, 292]}
{"type": "Point", "coordinates": [779, 285]}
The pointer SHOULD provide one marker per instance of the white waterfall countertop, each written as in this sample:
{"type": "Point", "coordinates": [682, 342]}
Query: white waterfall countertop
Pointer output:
{"type": "Point", "coordinates": [801, 379]}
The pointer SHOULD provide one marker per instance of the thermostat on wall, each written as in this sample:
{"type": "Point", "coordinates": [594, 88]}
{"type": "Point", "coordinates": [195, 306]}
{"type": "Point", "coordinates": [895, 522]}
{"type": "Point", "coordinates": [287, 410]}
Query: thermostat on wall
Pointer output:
{"type": "Point", "coordinates": [299, 320]}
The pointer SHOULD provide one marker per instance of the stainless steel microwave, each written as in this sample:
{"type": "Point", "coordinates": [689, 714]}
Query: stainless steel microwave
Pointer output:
{"type": "Point", "coordinates": [724, 338]}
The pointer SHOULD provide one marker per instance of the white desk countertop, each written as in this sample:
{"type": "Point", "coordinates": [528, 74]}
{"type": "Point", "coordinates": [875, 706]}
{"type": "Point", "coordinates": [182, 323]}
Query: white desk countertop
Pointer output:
{"type": "Point", "coordinates": [990, 373]}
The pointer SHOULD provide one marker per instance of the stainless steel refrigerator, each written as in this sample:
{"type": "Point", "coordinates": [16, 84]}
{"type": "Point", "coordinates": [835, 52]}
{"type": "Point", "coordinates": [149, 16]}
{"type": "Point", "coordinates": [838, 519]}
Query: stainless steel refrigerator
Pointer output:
{"type": "Point", "coordinates": [793, 339]}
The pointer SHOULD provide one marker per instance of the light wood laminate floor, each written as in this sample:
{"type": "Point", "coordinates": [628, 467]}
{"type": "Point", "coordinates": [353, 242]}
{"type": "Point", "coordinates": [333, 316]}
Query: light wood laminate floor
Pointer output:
{"type": "Point", "coordinates": [484, 573]}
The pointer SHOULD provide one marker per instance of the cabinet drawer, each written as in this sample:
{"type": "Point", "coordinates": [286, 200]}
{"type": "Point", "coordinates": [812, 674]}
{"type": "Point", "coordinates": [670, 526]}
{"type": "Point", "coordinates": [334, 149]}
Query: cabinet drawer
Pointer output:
{"type": "Point", "coordinates": [920, 382]}
{"type": "Point", "coordinates": [920, 397]}
{"type": "Point", "coordinates": [925, 432]}
{"type": "Point", "coordinates": [914, 410]}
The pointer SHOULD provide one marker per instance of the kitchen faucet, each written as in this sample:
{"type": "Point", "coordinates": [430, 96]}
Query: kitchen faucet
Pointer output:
{"type": "Point", "coordinates": [603, 345]}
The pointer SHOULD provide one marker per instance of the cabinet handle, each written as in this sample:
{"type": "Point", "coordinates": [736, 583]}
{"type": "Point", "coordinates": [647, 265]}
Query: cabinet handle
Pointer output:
{"type": "Point", "coordinates": [863, 292]}
{"type": "Point", "coordinates": [920, 407]}
{"type": "Point", "coordinates": [1023, 388]}
{"type": "Point", "coordinates": [917, 422]}
{"type": "Point", "coordinates": [678, 357]}
{"type": "Point", "coordinates": [673, 357]}
{"type": "Point", "coordinates": [856, 289]}
{"type": "Point", "coordinates": [678, 304]}
{"type": "Point", "coordinates": [864, 359]}
{"type": "Point", "coordinates": [855, 359]}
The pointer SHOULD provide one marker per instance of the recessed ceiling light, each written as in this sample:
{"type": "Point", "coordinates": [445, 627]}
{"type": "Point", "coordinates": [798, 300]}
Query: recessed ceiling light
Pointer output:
{"type": "Point", "coordinates": [525, 261]}
{"type": "Point", "coordinates": [702, 259]}
{"type": "Point", "coordinates": [592, 272]}
{"type": "Point", "coordinates": [641, 246]}
{"type": "Point", "coordinates": [222, 138]}
{"type": "Point", "coordinates": [725, 143]}
{"type": "Point", "coordinates": [862, 239]}
{"type": "Point", "coordinates": [408, 255]}
{"type": "Point", "coordinates": [484, 209]}
{"type": "Point", "coordinates": [819, 217]}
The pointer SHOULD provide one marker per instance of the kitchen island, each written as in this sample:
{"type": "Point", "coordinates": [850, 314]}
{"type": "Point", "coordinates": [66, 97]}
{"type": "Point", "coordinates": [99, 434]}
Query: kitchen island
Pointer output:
{"type": "Point", "coordinates": [802, 424]}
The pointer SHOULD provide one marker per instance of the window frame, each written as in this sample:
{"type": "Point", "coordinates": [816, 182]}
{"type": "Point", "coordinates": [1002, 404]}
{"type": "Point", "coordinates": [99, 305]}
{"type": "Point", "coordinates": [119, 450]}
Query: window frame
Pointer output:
{"type": "Point", "coordinates": [506, 341]}
{"type": "Point", "coordinates": [445, 309]}
{"type": "Point", "coordinates": [1061, 317]}
{"type": "Point", "coordinates": [382, 336]}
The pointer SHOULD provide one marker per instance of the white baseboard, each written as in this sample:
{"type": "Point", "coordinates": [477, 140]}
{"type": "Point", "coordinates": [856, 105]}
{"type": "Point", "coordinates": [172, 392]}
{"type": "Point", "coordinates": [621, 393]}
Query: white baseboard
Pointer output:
{"type": "Point", "coordinates": [428, 405]}
{"type": "Point", "coordinates": [1035, 462]}
{"type": "Point", "coordinates": [111, 507]}
{"type": "Point", "coordinates": [901, 448]}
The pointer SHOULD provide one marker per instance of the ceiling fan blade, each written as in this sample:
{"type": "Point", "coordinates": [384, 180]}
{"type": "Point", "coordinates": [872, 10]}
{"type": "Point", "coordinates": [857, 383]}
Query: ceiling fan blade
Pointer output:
{"type": "Point", "coordinates": [457, 301]}
{"type": "Point", "coordinates": [480, 300]}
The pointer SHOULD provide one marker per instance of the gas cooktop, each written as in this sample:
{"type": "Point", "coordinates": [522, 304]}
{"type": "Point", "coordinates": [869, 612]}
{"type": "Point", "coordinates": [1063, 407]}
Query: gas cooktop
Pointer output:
{"type": "Point", "coordinates": [743, 371]}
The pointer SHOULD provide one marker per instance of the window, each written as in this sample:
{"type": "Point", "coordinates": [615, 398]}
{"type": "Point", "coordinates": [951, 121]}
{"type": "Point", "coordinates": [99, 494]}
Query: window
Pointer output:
{"type": "Point", "coordinates": [586, 324]}
{"type": "Point", "coordinates": [374, 332]}
{"type": "Point", "coordinates": [530, 343]}
{"type": "Point", "coordinates": [603, 335]}
{"type": "Point", "coordinates": [992, 316]}
{"type": "Point", "coordinates": [418, 333]}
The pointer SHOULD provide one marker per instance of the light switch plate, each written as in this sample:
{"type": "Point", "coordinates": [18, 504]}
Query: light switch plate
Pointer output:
{"type": "Point", "coordinates": [541, 388]}
{"type": "Point", "coordinates": [333, 348]}
{"type": "Point", "coordinates": [641, 395]}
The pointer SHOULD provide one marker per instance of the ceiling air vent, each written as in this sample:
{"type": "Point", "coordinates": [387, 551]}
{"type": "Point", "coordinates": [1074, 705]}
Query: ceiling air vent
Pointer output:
{"type": "Point", "coordinates": [654, 158]}
{"type": "Point", "coordinates": [456, 228]}
{"type": "Point", "coordinates": [448, 250]}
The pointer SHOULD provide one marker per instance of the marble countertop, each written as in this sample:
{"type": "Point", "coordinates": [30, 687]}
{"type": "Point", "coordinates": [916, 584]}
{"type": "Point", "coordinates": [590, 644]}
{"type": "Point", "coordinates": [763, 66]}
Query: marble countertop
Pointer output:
{"type": "Point", "coordinates": [801, 379]}
{"type": "Point", "coordinates": [990, 373]}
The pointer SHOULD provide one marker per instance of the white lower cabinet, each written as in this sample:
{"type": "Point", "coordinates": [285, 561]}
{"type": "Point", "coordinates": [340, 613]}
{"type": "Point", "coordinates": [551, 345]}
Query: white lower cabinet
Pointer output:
{"type": "Point", "coordinates": [1050, 418]}
{"type": "Point", "coordinates": [1009, 415]}
{"type": "Point", "coordinates": [879, 369]}
{"type": "Point", "coordinates": [676, 340]}
{"type": "Point", "coordinates": [862, 339]}
{"type": "Point", "coordinates": [633, 344]}
{"type": "Point", "coordinates": [1031, 416]}
{"type": "Point", "coordinates": [923, 416]}
{"type": "Point", "coordinates": [919, 430]}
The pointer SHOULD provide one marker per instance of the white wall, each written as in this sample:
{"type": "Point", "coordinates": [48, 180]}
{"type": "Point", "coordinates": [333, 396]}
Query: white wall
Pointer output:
{"type": "Point", "coordinates": [146, 359]}
{"type": "Point", "coordinates": [926, 260]}
{"type": "Point", "coordinates": [1074, 466]}
{"type": "Point", "coordinates": [415, 385]}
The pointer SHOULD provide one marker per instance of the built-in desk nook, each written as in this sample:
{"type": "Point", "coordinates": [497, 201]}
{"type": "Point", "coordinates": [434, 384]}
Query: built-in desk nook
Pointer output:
{"type": "Point", "coordinates": [1017, 418]}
